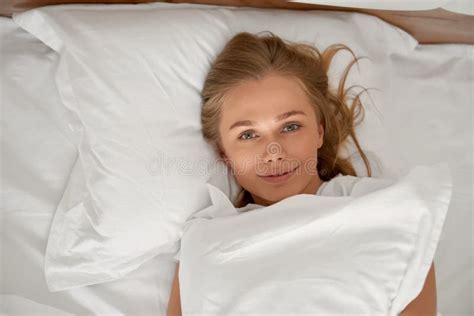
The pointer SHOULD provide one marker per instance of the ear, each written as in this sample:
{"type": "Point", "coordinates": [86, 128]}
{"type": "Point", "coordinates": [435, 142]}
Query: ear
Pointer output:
{"type": "Point", "coordinates": [320, 135]}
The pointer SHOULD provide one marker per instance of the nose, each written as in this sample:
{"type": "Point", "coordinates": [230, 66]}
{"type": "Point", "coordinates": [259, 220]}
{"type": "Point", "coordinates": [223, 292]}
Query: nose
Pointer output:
{"type": "Point", "coordinates": [273, 151]}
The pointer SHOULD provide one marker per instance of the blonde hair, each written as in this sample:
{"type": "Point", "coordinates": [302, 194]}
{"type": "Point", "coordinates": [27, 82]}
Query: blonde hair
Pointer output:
{"type": "Point", "coordinates": [250, 56]}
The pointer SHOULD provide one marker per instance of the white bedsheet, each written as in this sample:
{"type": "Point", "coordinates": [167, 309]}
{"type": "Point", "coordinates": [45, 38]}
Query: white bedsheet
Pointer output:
{"type": "Point", "coordinates": [428, 110]}
{"type": "Point", "coordinates": [366, 253]}
{"type": "Point", "coordinates": [37, 158]}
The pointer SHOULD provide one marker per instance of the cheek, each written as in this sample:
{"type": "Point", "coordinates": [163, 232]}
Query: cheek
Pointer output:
{"type": "Point", "coordinates": [304, 146]}
{"type": "Point", "coordinates": [305, 149]}
{"type": "Point", "coordinates": [242, 162]}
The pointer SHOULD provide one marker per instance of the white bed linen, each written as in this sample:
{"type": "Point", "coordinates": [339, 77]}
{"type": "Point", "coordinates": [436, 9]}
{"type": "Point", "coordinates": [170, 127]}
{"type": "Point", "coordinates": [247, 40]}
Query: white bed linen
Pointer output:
{"type": "Point", "coordinates": [428, 110]}
{"type": "Point", "coordinates": [136, 110]}
{"type": "Point", "coordinates": [365, 253]}
{"type": "Point", "coordinates": [37, 158]}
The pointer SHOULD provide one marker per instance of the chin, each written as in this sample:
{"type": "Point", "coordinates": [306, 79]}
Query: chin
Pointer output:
{"type": "Point", "coordinates": [276, 197]}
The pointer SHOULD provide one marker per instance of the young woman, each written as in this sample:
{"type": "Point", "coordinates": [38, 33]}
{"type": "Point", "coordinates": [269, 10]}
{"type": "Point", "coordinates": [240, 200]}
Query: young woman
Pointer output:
{"type": "Point", "coordinates": [273, 119]}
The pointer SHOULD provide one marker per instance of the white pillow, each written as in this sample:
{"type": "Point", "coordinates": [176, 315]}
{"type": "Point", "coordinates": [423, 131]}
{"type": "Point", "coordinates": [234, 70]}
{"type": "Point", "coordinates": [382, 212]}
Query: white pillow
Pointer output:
{"type": "Point", "coordinates": [131, 76]}
{"type": "Point", "coordinates": [367, 254]}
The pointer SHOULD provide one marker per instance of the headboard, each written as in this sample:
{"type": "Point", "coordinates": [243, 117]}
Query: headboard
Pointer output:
{"type": "Point", "coordinates": [427, 26]}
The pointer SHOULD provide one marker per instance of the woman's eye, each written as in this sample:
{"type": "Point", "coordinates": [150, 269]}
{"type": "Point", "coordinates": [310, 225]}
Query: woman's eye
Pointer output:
{"type": "Point", "coordinates": [242, 136]}
{"type": "Point", "coordinates": [292, 127]}
{"type": "Point", "coordinates": [296, 126]}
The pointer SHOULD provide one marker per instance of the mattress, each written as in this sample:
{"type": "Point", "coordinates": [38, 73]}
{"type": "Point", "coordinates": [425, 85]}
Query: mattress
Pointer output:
{"type": "Point", "coordinates": [427, 110]}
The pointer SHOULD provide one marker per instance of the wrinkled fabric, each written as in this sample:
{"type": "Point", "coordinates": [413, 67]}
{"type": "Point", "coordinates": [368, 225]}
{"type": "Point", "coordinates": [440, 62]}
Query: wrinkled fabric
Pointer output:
{"type": "Point", "coordinates": [131, 78]}
{"type": "Point", "coordinates": [368, 253]}
{"type": "Point", "coordinates": [427, 109]}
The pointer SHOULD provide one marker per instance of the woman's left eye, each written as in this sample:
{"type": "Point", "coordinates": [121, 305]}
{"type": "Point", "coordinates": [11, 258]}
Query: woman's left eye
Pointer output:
{"type": "Point", "coordinates": [293, 124]}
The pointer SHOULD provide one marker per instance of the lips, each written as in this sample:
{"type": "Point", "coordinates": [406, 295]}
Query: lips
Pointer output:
{"type": "Point", "coordinates": [279, 179]}
{"type": "Point", "coordinates": [279, 173]}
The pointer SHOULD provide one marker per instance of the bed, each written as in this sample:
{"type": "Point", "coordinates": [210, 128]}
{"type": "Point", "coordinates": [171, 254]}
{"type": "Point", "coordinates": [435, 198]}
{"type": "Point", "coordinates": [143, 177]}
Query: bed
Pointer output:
{"type": "Point", "coordinates": [429, 95]}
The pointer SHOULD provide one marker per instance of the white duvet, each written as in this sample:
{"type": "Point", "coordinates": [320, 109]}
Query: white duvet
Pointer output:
{"type": "Point", "coordinates": [368, 253]}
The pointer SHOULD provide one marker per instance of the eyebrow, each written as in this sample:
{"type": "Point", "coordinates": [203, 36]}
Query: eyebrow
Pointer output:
{"type": "Point", "coordinates": [278, 118]}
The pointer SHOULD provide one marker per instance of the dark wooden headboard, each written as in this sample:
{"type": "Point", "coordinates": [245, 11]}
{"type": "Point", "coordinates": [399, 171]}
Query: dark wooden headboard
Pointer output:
{"type": "Point", "coordinates": [428, 27]}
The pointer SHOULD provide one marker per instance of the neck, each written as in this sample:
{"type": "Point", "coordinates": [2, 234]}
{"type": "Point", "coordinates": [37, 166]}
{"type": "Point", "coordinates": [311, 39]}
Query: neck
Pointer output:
{"type": "Point", "coordinates": [313, 185]}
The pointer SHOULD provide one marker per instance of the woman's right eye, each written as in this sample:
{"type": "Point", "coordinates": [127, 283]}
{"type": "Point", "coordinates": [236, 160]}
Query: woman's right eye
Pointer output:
{"type": "Point", "coordinates": [244, 134]}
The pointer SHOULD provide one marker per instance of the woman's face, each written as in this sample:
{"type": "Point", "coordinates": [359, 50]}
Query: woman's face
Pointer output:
{"type": "Point", "coordinates": [269, 127]}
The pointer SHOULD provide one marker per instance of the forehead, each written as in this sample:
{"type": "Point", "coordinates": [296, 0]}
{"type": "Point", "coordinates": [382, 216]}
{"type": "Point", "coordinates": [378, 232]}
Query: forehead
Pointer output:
{"type": "Point", "coordinates": [264, 98]}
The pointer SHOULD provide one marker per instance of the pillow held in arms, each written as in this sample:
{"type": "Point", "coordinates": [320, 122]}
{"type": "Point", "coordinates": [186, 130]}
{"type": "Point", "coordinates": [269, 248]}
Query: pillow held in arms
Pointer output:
{"type": "Point", "coordinates": [368, 253]}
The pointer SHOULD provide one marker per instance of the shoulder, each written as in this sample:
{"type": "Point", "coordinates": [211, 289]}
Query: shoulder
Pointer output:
{"type": "Point", "coordinates": [426, 301]}
{"type": "Point", "coordinates": [346, 185]}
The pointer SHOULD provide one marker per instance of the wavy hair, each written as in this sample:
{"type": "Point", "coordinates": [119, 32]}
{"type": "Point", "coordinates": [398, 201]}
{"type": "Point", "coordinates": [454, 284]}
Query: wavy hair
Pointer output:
{"type": "Point", "coordinates": [252, 56]}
